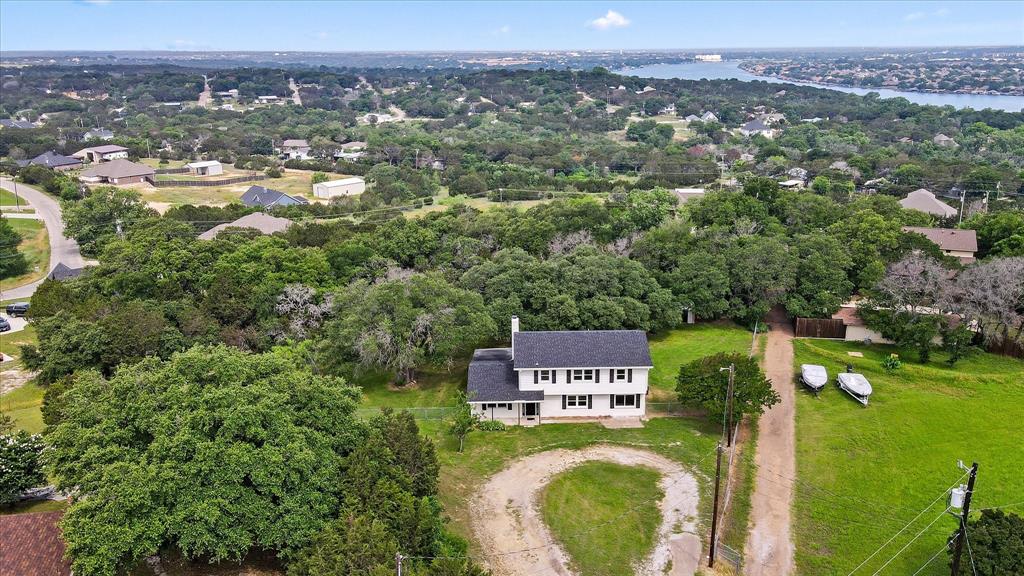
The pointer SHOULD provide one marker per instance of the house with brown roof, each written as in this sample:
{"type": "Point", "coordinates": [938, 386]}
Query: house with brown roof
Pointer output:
{"type": "Point", "coordinates": [118, 172]}
{"type": "Point", "coordinates": [104, 153]}
{"type": "Point", "coordinates": [924, 201]}
{"type": "Point", "coordinates": [32, 545]}
{"type": "Point", "coordinates": [961, 244]}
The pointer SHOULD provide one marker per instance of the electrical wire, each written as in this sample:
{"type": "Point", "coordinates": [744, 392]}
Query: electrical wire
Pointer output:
{"type": "Point", "coordinates": [907, 545]}
{"type": "Point", "coordinates": [930, 560]}
{"type": "Point", "coordinates": [893, 537]}
{"type": "Point", "coordinates": [970, 553]}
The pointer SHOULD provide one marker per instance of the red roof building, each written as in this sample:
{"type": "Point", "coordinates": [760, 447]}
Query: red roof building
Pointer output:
{"type": "Point", "coordinates": [31, 545]}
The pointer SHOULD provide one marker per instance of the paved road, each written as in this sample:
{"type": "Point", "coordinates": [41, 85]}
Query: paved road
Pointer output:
{"type": "Point", "coordinates": [770, 545]}
{"type": "Point", "coordinates": [61, 249]}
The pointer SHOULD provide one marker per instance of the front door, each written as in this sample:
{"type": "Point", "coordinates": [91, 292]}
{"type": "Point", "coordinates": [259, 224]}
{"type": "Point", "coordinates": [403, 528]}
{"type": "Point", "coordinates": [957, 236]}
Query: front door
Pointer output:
{"type": "Point", "coordinates": [531, 409]}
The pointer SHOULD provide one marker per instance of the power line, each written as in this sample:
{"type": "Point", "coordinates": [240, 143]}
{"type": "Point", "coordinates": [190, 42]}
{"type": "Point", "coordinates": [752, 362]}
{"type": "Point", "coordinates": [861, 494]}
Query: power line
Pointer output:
{"type": "Point", "coordinates": [907, 545]}
{"type": "Point", "coordinates": [929, 561]}
{"type": "Point", "coordinates": [893, 537]}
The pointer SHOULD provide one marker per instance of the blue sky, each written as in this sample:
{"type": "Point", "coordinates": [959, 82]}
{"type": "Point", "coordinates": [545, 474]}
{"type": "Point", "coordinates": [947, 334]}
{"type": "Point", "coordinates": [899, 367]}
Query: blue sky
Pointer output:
{"type": "Point", "coordinates": [389, 26]}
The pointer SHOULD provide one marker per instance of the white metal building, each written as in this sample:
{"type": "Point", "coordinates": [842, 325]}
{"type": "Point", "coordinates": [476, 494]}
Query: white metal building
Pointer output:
{"type": "Point", "coordinates": [344, 187]}
{"type": "Point", "coordinates": [205, 168]}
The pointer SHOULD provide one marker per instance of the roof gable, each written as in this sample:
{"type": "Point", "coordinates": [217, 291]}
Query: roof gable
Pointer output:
{"type": "Point", "coordinates": [581, 349]}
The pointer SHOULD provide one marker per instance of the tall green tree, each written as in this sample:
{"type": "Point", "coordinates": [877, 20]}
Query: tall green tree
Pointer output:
{"type": "Point", "coordinates": [703, 384]}
{"type": "Point", "coordinates": [12, 262]}
{"type": "Point", "coordinates": [214, 451]}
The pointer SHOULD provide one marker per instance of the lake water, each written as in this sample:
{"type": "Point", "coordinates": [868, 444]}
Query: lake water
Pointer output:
{"type": "Point", "coordinates": [731, 70]}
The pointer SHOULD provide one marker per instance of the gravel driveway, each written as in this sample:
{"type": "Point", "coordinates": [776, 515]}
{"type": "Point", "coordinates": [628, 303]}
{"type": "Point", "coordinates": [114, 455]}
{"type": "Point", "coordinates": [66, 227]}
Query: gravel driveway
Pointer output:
{"type": "Point", "coordinates": [516, 542]}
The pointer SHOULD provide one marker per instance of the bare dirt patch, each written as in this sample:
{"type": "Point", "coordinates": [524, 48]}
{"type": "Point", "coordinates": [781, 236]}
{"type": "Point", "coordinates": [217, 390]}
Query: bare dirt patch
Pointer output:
{"type": "Point", "coordinates": [509, 526]}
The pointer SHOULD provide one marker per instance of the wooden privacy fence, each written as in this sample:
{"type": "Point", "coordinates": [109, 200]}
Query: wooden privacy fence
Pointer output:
{"type": "Point", "coordinates": [1007, 347]}
{"type": "Point", "coordinates": [201, 183]}
{"type": "Point", "coordinates": [819, 328]}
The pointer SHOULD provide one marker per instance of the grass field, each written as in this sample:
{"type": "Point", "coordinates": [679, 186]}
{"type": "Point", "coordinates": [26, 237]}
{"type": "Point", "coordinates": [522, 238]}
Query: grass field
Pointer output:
{"type": "Point", "coordinates": [22, 405]}
{"type": "Point", "coordinates": [293, 182]}
{"type": "Point", "coordinates": [690, 441]}
{"type": "Point", "coordinates": [672, 349]}
{"type": "Point", "coordinates": [7, 198]}
{"type": "Point", "coordinates": [597, 504]}
{"type": "Point", "coordinates": [864, 473]}
{"type": "Point", "coordinates": [35, 245]}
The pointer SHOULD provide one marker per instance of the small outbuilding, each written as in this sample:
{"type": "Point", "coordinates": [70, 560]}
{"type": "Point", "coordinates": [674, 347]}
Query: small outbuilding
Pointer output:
{"type": "Point", "coordinates": [205, 168]}
{"type": "Point", "coordinates": [345, 187]}
{"type": "Point", "coordinates": [104, 153]}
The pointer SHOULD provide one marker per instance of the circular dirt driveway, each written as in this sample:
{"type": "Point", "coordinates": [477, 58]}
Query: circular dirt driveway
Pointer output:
{"type": "Point", "coordinates": [516, 542]}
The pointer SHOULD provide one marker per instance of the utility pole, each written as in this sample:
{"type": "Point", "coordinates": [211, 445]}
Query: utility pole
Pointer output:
{"type": "Point", "coordinates": [962, 534]}
{"type": "Point", "coordinates": [714, 510]}
{"type": "Point", "coordinates": [963, 201]}
{"type": "Point", "coordinates": [729, 403]}
{"type": "Point", "coordinates": [398, 563]}
{"type": "Point", "coordinates": [17, 199]}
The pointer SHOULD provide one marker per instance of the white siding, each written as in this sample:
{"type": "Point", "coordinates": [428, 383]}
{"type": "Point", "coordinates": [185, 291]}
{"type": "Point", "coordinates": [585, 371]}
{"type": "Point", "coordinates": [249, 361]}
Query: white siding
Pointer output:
{"type": "Point", "coordinates": [551, 407]}
{"type": "Point", "coordinates": [638, 385]}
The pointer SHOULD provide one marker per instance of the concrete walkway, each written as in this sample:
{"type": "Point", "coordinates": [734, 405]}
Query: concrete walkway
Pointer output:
{"type": "Point", "coordinates": [770, 549]}
{"type": "Point", "coordinates": [62, 249]}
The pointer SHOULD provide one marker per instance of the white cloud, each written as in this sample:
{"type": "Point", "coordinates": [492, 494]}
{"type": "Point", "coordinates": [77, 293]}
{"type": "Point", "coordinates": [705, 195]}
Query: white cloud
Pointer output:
{"type": "Point", "coordinates": [502, 31]}
{"type": "Point", "coordinates": [323, 35]}
{"type": "Point", "coordinates": [942, 12]}
{"type": "Point", "coordinates": [914, 16]}
{"type": "Point", "coordinates": [610, 20]}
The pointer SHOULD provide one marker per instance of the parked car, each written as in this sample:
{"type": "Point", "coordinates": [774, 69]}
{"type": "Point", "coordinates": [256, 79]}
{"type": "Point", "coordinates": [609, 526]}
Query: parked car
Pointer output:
{"type": "Point", "coordinates": [4, 325]}
{"type": "Point", "coordinates": [17, 309]}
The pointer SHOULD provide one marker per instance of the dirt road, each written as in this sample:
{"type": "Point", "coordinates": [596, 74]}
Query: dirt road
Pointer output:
{"type": "Point", "coordinates": [770, 544]}
{"type": "Point", "coordinates": [508, 523]}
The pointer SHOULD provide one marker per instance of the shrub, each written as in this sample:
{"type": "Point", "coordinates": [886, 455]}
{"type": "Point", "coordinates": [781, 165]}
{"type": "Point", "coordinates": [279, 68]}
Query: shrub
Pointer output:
{"type": "Point", "coordinates": [892, 362]}
{"type": "Point", "coordinates": [492, 426]}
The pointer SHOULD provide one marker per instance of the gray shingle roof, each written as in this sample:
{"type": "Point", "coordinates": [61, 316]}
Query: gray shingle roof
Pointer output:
{"type": "Point", "coordinates": [581, 349]}
{"type": "Point", "coordinates": [492, 379]}
{"type": "Point", "coordinates": [265, 197]}
{"type": "Point", "coordinates": [53, 160]}
{"type": "Point", "coordinates": [62, 272]}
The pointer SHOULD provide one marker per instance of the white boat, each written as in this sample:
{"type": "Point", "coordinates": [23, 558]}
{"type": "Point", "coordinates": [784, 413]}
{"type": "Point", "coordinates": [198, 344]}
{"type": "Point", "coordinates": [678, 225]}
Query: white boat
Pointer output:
{"type": "Point", "coordinates": [814, 377]}
{"type": "Point", "coordinates": [855, 385]}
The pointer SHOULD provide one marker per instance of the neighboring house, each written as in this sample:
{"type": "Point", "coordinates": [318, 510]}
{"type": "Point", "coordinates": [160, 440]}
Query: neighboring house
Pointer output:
{"type": "Point", "coordinates": [104, 153]}
{"type": "Point", "coordinates": [205, 168]}
{"type": "Point", "coordinates": [295, 149]}
{"type": "Point", "coordinates": [684, 195]}
{"type": "Point", "coordinates": [119, 171]}
{"type": "Point", "coordinates": [53, 161]}
{"type": "Point", "coordinates": [351, 151]}
{"type": "Point", "coordinates": [692, 118]}
{"type": "Point", "coordinates": [98, 134]}
{"type": "Point", "coordinates": [708, 117]}
{"type": "Point", "coordinates": [856, 330]}
{"type": "Point", "coordinates": [344, 187]}
{"type": "Point", "coordinates": [792, 184]}
{"type": "Point", "coordinates": [944, 141]}
{"type": "Point", "coordinates": [557, 375]}
{"type": "Point", "coordinates": [353, 146]}
{"type": "Point", "coordinates": [265, 223]}
{"type": "Point", "coordinates": [960, 244]}
{"type": "Point", "coordinates": [267, 198]}
{"type": "Point", "coordinates": [61, 272]}
{"type": "Point", "coordinates": [266, 99]}
{"type": "Point", "coordinates": [756, 126]}
{"type": "Point", "coordinates": [19, 124]}
{"type": "Point", "coordinates": [924, 201]}
{"type": "Point", "coordinates": [32, 545]}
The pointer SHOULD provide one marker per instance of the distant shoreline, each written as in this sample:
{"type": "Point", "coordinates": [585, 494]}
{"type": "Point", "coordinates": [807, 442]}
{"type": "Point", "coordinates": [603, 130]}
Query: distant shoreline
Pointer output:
{"type": "Point", "coordinates": [789, 78]}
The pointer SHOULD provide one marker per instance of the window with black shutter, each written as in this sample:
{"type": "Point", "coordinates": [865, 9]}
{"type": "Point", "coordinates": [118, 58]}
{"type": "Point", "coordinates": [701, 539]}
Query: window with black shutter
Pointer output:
{"type": "Point", "coordinates": [536, 376]}
{"type": "Point", "coordinates": [563, 402]}
{"type": "Point", "coordinates": [597, 376]}
{"type": "Point", "coordinates": [629, 375]}
{"type": "Point", "coordinates": [590, 401]}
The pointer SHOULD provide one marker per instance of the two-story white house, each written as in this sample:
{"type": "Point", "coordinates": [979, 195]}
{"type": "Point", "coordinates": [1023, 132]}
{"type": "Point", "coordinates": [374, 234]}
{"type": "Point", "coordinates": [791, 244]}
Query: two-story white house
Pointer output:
{"type": "Point", "coordinates": [561, 375]}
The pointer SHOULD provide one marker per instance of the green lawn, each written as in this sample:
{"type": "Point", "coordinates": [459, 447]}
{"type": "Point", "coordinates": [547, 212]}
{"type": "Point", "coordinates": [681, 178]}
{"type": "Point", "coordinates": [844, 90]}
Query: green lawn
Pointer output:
{"type": "Point", "coordinates": [35, 245]}
{"type": "Point", "coordinates": [434, 387]}
{"type": "Point", "coordinates": [605, 515]}
{"type": "Point", "coordinates": [690, 441]}
{"type": "Point", "coordinates": [7, 198]}
{"type": "Point", "coordinates": [672, 349]}
{"type": "Point", "coordinates": [864, 473]}
{"type": "Point", "coordinates": [35, 506]}
{"type": "Point", "coordinates": [23, 406]}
